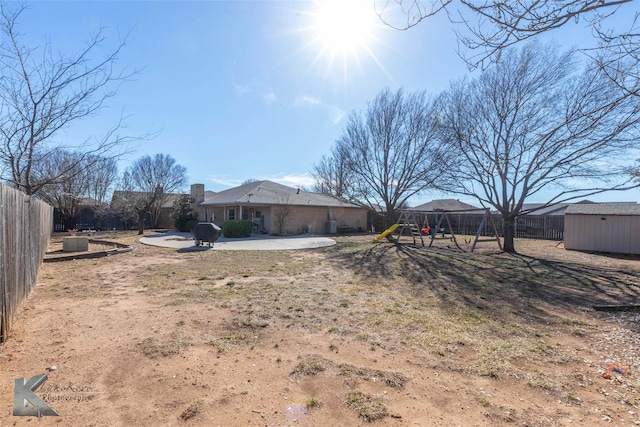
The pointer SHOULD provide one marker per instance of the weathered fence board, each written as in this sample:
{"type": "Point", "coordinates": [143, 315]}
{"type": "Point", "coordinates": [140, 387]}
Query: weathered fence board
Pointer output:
{"type": "Point", "coordinates": [25, 228]}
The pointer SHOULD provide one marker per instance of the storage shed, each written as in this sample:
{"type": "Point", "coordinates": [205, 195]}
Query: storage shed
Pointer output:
{"type": "Point", "coordinates": [603, 227]}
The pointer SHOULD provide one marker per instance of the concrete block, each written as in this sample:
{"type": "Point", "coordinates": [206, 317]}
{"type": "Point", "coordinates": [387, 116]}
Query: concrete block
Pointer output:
{"type": "Point", "coordinates": [75, 244]}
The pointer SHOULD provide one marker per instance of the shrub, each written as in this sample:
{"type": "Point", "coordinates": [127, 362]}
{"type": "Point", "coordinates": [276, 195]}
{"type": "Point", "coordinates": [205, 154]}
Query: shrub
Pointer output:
{"type": "Point", "coordinates": [187, 225]}
{"type": "Point", "coordinates": [183, 217]}
{"type": "Point", "coordinates": [237, 228]}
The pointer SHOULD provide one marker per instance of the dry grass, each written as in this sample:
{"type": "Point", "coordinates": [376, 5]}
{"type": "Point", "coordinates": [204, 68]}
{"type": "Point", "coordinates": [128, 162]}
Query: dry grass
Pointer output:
{"type": "Point", "coordinates": [502, 310]}
{"type": "Point", "coordinates": [311, 365]}
{"type": "Point", "coordinates": [174, 343]}
{"type": "Point", "coordinates": [191, 411]}
{"type": "Point", "coordinates": [366, 406]}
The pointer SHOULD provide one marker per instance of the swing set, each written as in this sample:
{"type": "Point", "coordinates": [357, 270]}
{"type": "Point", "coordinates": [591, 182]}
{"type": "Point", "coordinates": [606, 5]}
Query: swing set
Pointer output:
{"type": "Point", "coordinates": [408, 222]}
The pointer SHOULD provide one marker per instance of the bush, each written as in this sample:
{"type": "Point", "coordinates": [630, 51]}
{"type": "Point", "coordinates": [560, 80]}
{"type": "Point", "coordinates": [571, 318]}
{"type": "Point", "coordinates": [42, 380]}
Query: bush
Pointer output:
{"type": "Point", "coordinates": [187, 225]}
{"type": "Point", "coordinates": [183, 217]}
{"type": "Point", "coordinates": [237, 228]}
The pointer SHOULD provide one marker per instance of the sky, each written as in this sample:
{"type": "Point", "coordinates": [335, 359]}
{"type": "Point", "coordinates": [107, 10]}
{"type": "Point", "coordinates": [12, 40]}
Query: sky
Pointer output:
{"type": "Point", "coordinates": [239, 90]}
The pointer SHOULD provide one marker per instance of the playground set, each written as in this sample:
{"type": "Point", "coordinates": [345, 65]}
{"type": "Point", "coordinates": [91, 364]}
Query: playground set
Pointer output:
{"type": "Point", "coordinates": [416, 224]}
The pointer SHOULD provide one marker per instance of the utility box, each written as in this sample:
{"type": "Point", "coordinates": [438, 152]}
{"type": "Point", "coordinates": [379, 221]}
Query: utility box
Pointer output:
{"type": "Point", "coordinates": [75, 244]}
{"type": "Point", "coordinates": [332, 227]}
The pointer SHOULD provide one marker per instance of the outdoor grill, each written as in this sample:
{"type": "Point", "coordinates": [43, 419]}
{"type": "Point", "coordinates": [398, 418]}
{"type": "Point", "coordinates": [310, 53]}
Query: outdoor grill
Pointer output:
{"type": "Point", "coordinates": [205, 232]}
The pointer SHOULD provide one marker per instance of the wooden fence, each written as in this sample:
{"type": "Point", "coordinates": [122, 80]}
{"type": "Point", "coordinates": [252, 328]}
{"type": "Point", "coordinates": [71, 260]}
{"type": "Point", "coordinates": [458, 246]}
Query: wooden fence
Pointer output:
{"type": "Point", "coordinates": [544, 227]}
{"type": "Point", "coordinates": [25, 228]}
{"type": "Point", "coordinates": [547, 227]}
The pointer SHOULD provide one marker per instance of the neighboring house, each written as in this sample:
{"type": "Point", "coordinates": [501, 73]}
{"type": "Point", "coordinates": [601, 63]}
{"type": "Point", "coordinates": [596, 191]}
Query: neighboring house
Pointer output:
{"type": "Point", "coordinates": [278, 209]}
{"type": "Point", "coordinates": [91, 215]}
{"type": "Point", "coordinates": [603, 227]}
{"type": "Point", "coordinates": [460, 218]}
{"type": "Point", "coordinates": [449, 205]}
{"type": "Point", "coordinates": [554, 209]}
{"type": "Point", "coordinates": [163, 214]}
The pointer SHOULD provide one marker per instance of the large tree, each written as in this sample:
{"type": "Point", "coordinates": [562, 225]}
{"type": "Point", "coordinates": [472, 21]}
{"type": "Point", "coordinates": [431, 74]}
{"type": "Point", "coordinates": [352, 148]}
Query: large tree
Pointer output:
{"type": "Point", "coordinates": [42, 92]}
{"type": "Point", "coordinates": [538, 120]}
{"type": "Point", "coordinates": [148, 182]}
{"type": "Point", "coordinates": [390, 152]}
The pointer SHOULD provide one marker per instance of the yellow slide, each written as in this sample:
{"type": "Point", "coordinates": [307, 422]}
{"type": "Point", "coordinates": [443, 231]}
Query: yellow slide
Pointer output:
{"type": "Point", "coordinates": [386, 232]}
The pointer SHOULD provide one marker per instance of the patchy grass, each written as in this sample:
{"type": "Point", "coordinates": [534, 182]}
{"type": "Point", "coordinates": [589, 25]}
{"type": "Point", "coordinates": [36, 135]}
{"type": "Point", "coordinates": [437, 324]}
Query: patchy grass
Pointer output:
{"type": "Point", "coordinates": [191, 411]}
{"type": "Point", "coordinates": [312, 402]}
{"type": "Point", "coordinates": [176, 342]}
{"type": "Point", "coordinates": [366, 406]}
{"type": "Point", "coordinates": [311, 365]}
{"type": "Point", "coordinates": [392, 297]}
{"type": "Point", "coordinates": [503, 312]}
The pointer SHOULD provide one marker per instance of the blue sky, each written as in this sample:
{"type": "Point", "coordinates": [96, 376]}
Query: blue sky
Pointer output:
{"type": "Point", "coordinates": [239, 90]}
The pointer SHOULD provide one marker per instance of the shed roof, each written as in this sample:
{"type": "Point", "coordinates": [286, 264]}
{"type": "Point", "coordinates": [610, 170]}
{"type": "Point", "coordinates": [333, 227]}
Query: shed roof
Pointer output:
{"type": "Point", "coordinates": [272, 193]}
{"type": "Point", "coordinates": [604, 209]}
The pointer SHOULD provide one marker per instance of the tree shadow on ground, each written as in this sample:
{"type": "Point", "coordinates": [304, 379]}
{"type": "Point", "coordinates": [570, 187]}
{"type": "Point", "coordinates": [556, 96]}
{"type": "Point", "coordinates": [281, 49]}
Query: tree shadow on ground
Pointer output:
{"type": "Point", "coordinates": [520, 284]}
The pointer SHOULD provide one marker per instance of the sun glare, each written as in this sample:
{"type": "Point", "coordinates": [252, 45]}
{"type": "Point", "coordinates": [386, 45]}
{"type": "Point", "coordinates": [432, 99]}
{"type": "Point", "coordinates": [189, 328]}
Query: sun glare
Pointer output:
{"type": "Point", "coordinates": [344, 26]}
{"type": "Point", "coordinates": [340, 35]}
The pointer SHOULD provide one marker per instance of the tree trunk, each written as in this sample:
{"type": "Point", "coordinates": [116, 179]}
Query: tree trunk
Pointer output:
{"type": "Point", "coordinates": [141, 223]}
{"type": "Point", "coordinates": [69, 221]}
{"type": "Point", "coordinates": [509, 234]}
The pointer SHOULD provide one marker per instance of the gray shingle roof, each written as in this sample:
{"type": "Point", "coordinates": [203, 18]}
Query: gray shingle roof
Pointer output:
{"type": "Point", "coordinates": [272, 193]}
{"type": "Point", "coordinates": [445, 205]}
{"type": "Point", "coordinates": [604, 209]}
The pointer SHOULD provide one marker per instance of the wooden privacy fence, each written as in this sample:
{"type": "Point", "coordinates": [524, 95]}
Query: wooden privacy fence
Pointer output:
{"type": "Point", "coordinates": [549, 227]}
{"type": "Point", "coordinates": [25, 228]}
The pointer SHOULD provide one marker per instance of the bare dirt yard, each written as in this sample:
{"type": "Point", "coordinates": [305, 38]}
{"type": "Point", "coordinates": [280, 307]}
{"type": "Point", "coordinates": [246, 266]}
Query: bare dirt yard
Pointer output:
{"type": "Point", "coordinates": [356, 334]}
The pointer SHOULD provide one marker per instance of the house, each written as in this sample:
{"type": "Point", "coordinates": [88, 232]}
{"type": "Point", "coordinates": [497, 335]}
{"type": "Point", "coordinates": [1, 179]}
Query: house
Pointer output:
{"type": "Point", "coordinates": [449, 205]}
{"type": "Point", "coordinates": [278, 209]}
{"type": "Point", "coordinates": [460, 218]}
{"type": "Point", "coordinates": [603, 227]}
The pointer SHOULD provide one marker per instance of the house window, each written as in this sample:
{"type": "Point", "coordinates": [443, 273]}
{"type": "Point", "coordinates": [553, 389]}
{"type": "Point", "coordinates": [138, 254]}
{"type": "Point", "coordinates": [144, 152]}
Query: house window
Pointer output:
{"type": "Point", "coordinates": [232, 214]}
{"type": "Point", "coordinates": [258, 214]}
{"type": "Point", "coordinates": [245, 214]}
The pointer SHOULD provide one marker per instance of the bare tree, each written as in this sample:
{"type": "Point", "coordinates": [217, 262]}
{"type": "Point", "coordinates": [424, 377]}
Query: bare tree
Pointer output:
{"type": "Point", "coordinates": [538, 120]}
{"type": "Point", "coordinates": [332, 176]}
{"type": "Point", "coordinates": [391, 152]}
{"type": "Point", "coordinates": [486, 27]}
{"type": "Point", "coordinates": [43, 93]}
{"type": "Point", "coordinates": [149, 181]}
{"type": "Point", "coordinates": [101, 178]}
{"type": "Point", "coordinates": [66, 194]}
{"type": "Point", "coordinates": [282, 214]}
{"type": "Point", "coordinates": [81, 178]}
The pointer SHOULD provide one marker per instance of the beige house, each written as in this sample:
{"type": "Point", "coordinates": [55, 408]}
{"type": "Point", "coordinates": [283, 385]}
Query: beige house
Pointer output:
{"type": "Point", "coordinates": [278, 209]}
{"type": "Point", "coordinates": [603, 227]}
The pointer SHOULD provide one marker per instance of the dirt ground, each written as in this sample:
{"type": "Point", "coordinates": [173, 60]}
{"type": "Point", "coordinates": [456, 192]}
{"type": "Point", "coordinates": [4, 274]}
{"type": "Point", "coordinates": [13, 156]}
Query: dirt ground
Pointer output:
{"type": "Point", "coordinates": [356, 334]}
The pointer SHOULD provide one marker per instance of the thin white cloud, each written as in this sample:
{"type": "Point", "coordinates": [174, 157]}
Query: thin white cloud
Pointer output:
{"type": "Point", "coordinates": [291, 180]}
{"type": "Point", "coordinates": [337, 114]}
{"type": "Point", "coordinates": [334, 113]}
{"type": "Point", "coordinates": [270, 97]}
{"type": "Point", "coordinates": [224, 183]}
{"type": "Point", "coordinates": [306, 101]}
{"type": "Point", "coordinates": [242, 89]}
